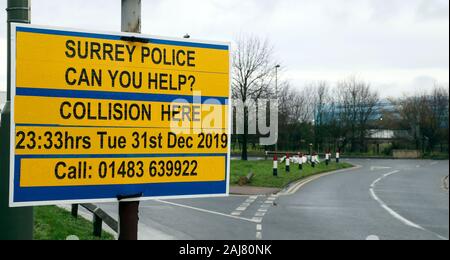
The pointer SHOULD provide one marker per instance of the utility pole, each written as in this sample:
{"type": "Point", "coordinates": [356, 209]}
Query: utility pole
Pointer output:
{"type": "Point", "coordinates": [276, 96]}
{"type": "Point", "coordinates": [15, 223]}
{"type": "Point", "coordinates": [129, 211]}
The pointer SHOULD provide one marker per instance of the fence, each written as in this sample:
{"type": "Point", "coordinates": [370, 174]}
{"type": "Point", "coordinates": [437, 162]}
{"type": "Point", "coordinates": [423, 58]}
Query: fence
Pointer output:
{"type": "Point", "coordinates": [99, 216]}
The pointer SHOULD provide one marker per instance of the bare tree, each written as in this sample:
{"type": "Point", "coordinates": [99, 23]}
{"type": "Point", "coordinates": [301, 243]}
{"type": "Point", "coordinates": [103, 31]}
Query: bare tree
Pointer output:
{"type": "Point", "coordinates": [425, 116]}
{"type": "Point", "coordinates": [320, 100]}
{"type": "Point", "coordinates": [295, 117]}
{"type": "Point", "coordinates": [436, 119]}
{"type": "Point", "coordinates": [410, 110]}
{"type": "Point", "coordinates": [252, 70]}
{"type": "Point", "coordinates": [357, 103]}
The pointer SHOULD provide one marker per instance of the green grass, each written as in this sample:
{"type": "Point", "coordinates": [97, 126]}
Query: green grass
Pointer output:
{"type": "Point", "coordinates": [436, 156]}
{"type": "Point", "coordinates": [264, 174]}
{"type": "Point", "coordinates": [53, 223]}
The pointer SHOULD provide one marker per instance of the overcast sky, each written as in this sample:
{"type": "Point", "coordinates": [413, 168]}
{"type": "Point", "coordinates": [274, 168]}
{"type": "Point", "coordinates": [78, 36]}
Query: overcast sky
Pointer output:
{"type": "Point", "coordinates": [399, 46]}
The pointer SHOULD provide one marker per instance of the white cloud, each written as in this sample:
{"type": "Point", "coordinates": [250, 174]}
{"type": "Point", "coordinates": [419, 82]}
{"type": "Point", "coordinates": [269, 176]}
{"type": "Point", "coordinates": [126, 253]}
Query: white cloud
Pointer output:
{"type": "Point", "coordinates": [389, 82]}
{"type": "Point", "coordinates": [388, 42]}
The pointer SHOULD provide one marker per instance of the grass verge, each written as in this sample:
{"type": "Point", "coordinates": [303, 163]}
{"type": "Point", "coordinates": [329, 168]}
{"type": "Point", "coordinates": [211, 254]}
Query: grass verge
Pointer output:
{"type": "Point", "coordinates": [263, 173]}
{"type": "Point", "coordinates": [53, 223]}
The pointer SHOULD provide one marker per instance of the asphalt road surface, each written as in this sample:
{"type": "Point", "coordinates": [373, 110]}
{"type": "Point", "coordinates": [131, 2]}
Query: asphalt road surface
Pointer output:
{"type": "Point", "coordinates": [379, 200]}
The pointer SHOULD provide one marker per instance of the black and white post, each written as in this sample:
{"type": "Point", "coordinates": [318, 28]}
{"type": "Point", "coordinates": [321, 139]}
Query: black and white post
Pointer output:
{"type": "Point", "coordinates": [275, 165]}
{"type": "Point", "coordinates": [313, 160]}
{"type": "Point", "coordinates": [300, 161]}
{"type": "Point", "coordinates": [338, 155]}
{"type": "Point", "coordinates": [288, 163]}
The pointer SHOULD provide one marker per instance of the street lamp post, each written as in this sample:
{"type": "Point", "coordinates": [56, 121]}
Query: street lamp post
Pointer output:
{"type": "Point", "coordinates": [276, 96]}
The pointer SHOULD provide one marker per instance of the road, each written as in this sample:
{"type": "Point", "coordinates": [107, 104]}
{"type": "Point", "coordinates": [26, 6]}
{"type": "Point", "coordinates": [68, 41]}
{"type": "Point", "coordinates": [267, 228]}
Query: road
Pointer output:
{"type": "Point", "coordinates": [381, 199]}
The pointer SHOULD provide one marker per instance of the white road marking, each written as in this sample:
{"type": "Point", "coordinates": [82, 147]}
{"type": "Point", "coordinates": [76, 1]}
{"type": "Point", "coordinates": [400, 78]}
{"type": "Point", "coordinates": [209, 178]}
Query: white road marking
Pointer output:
{"type": "Point", "coordinates": [439, 236]}
{"type": "Point", "coordinates": [379, 179]}
{"type": "Point", "coordinates": [373, 238]}
{"type": "Point", "coordinates": [263, 210]}
{"type": "Point", "coordinates": [244, 206]}
{"type": "Point", "coordinates": [258, 231]}
{"type": "Point", "coordinates": [295, 187]}
{"type": "Point", "coordinates": [258, 227]}
{"type": "Point", "coordinates": [374, 168]}
{"type": "Point", "coordinates": [390, 173]}
{"type": "Point", "coordinates": [392, 212]}
{"type": "Point", "coordinates": [433, 163]}
{"type": "Point", "coordinates": [260, 214]}
{"type": "Point", "coordinates": [257, 219]}
{"type": "Point", "coordinates": [417, 166]}
{"type": "Point", "coordinates": [208, 211]}
{"type": "Point", "coordinates": [375, 183]}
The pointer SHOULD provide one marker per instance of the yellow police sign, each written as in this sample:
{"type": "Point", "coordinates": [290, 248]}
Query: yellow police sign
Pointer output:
{"type": "Point", "coordinates": [96, 116]}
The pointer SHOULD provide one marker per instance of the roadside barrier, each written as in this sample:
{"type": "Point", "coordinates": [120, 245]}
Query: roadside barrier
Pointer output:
{"type": "Point", "coordinates": [99, 216]}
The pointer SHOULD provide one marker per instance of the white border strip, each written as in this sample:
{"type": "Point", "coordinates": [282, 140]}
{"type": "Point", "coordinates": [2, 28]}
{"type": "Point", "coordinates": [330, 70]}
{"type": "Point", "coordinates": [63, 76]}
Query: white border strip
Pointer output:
{"type": "Point", "coordinates": [12, 133]}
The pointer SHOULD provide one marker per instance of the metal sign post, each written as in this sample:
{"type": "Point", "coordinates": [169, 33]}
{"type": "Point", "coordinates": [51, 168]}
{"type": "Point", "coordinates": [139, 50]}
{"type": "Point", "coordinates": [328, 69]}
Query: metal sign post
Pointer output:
{"type": "Point", "coordinates": [129, 211]}
{"type": "Point", "coordinates": [15, 223]}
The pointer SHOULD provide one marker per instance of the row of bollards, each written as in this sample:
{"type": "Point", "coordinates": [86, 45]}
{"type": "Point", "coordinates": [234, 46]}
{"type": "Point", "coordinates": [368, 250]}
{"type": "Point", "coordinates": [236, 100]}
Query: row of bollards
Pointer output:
{"type": "Point", "coordinates": [303, 159]}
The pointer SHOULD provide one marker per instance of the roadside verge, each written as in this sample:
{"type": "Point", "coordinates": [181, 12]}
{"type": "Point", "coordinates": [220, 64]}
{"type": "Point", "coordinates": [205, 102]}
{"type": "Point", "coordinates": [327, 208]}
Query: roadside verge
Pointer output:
{"type": "Point", "coordinates": [289, 189]}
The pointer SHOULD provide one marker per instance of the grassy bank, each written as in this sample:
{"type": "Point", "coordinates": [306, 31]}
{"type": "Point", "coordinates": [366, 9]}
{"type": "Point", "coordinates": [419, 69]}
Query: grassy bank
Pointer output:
{"type": "Point", "coordinates": [264, 175]}
{"type": "Point", "coordinates": [53, 223]}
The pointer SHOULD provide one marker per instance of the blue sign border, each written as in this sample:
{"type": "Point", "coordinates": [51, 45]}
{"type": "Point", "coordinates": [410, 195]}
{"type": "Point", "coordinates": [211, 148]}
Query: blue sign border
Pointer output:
{"type": "Point", "coordinates": [32, 196]}
{"type": "Point", "coordinates": [36, 194]}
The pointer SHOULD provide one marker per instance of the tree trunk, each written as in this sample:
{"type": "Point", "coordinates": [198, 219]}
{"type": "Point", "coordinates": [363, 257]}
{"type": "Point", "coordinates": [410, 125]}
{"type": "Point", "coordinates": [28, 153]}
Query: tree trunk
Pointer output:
{"type": "Point", "coordinates": [244, 155]}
